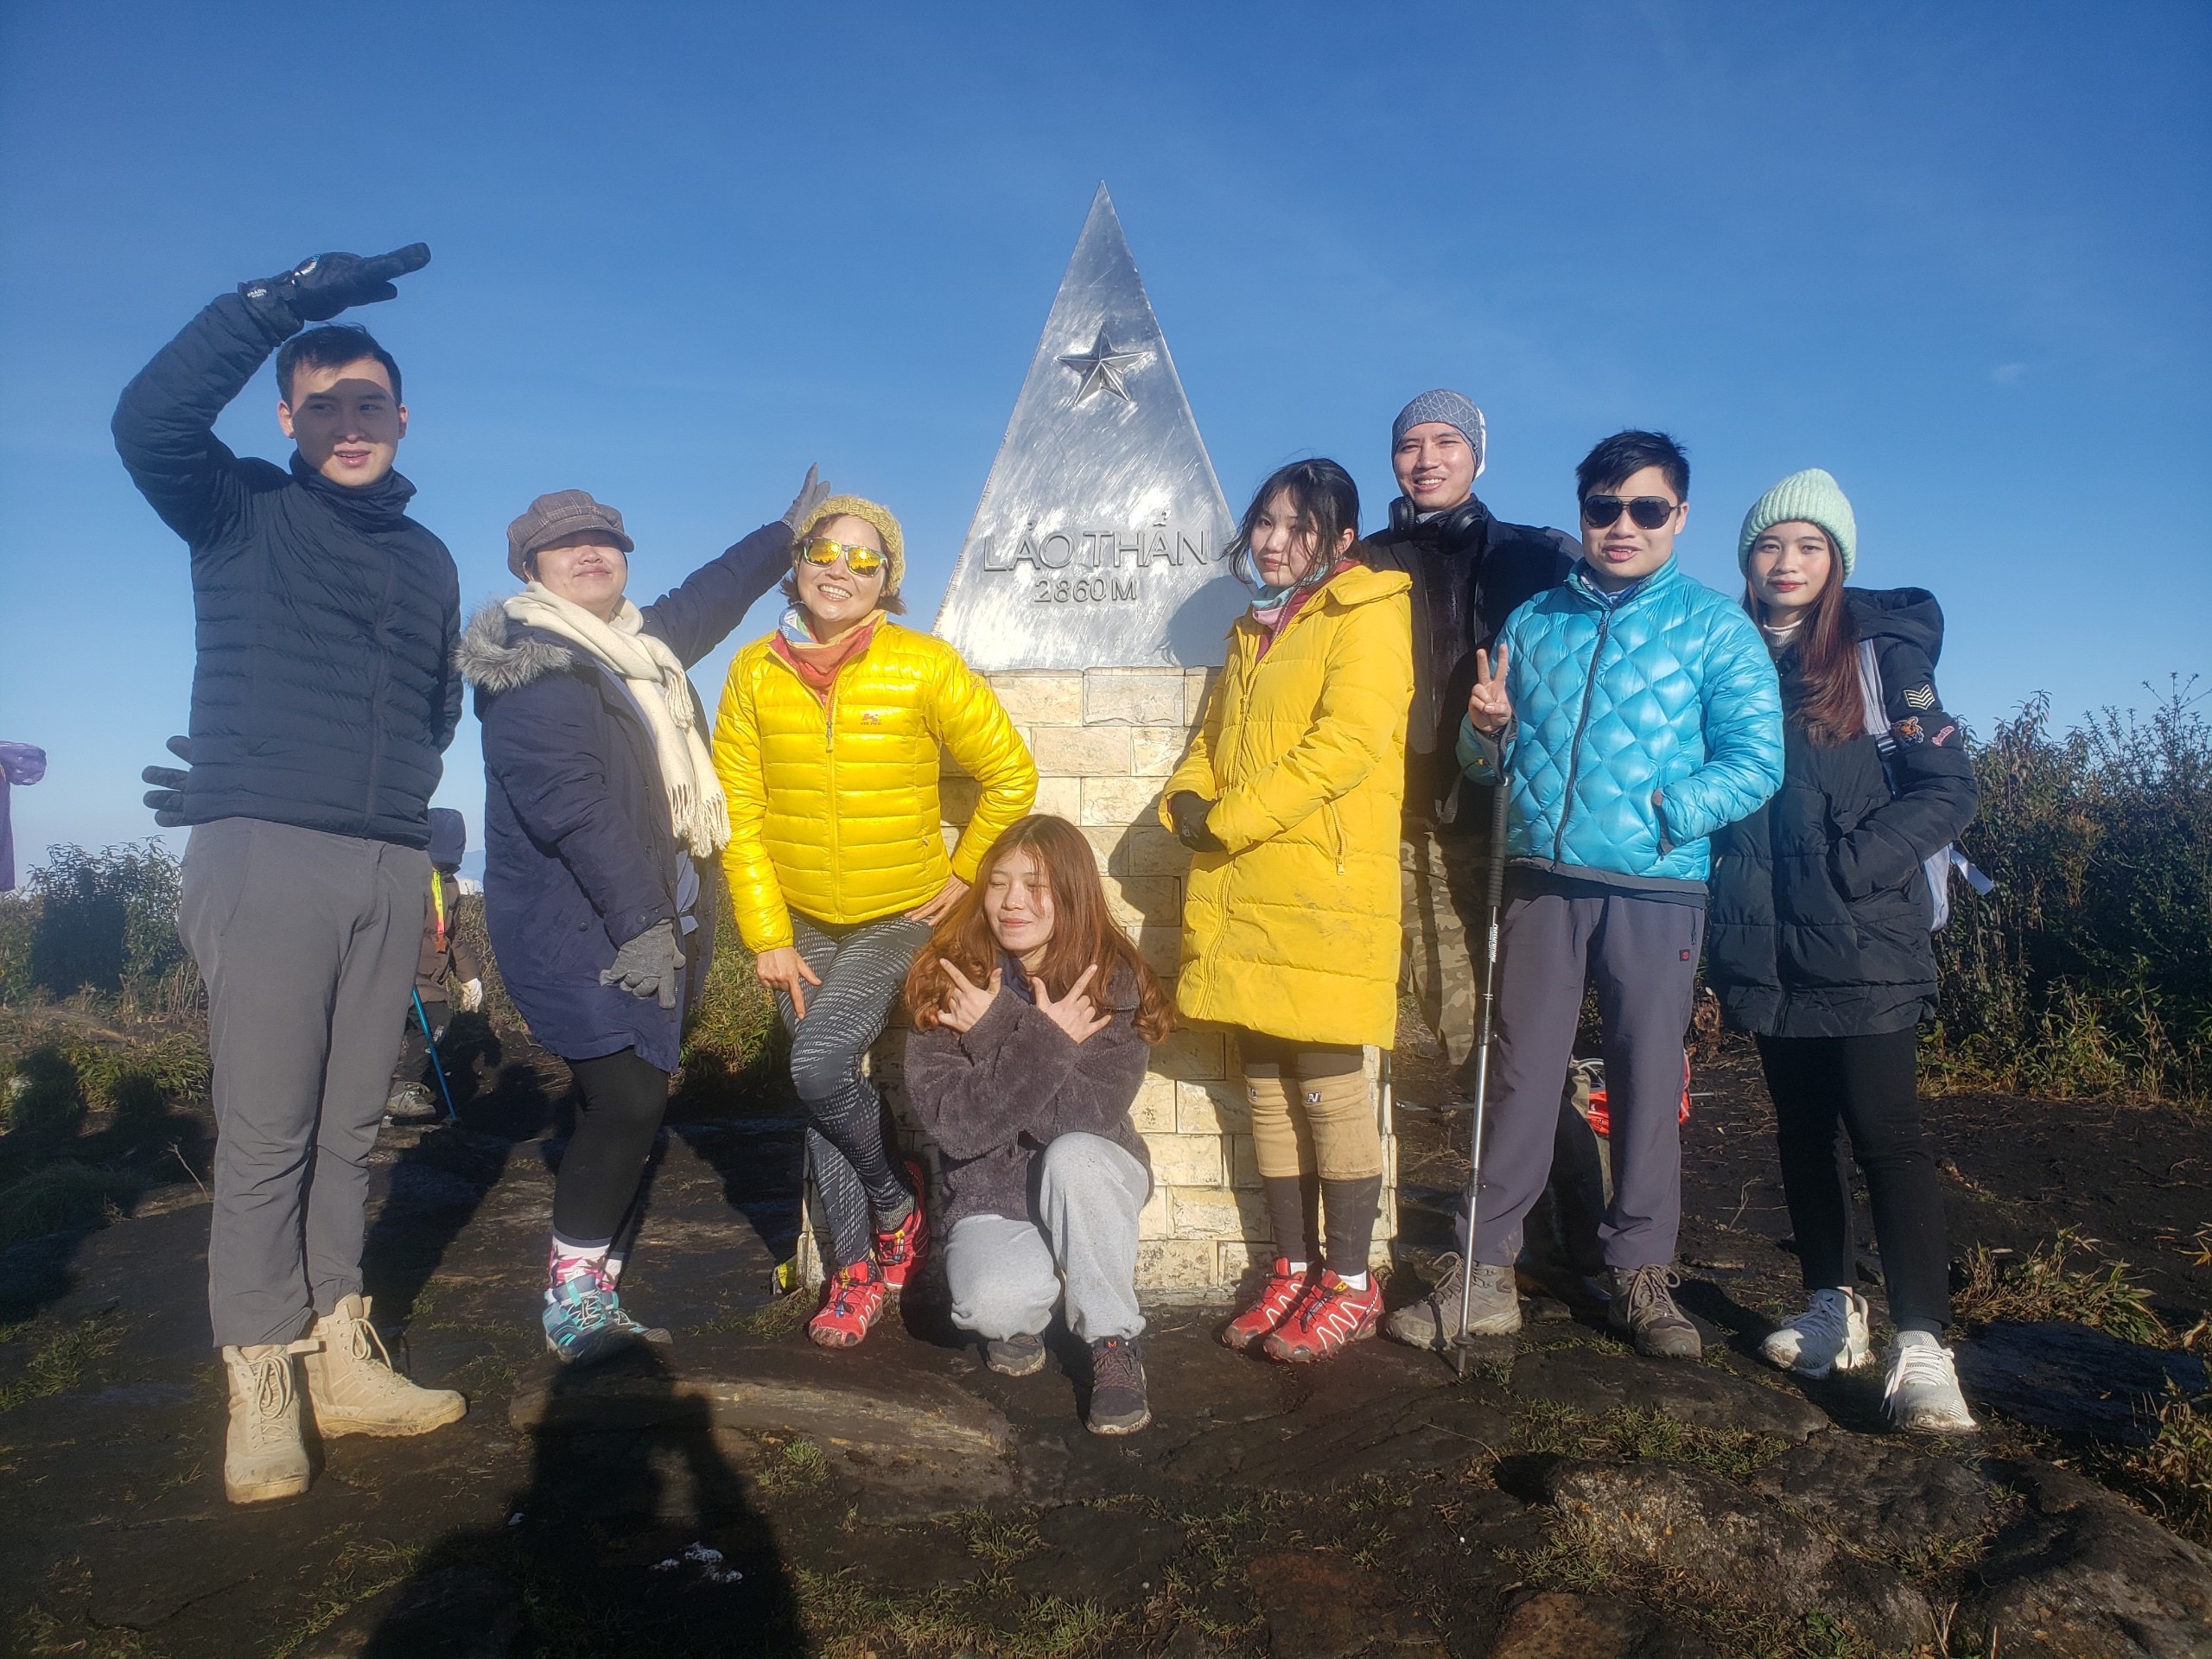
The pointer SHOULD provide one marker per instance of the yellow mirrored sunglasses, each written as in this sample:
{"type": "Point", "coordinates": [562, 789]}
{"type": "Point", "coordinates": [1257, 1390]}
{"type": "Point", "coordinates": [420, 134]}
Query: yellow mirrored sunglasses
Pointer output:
{"type": "Point", "coordinates": [820, 549]}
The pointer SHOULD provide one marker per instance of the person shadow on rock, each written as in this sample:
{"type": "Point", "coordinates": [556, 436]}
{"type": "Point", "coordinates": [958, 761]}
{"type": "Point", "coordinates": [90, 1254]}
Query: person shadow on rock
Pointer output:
{"type": "Point", "coordinates": [633, 1520]}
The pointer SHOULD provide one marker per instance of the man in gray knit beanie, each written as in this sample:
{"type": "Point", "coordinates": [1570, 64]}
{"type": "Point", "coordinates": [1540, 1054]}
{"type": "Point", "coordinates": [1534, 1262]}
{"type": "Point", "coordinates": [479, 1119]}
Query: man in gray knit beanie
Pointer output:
{"type": "Point", "coordinates": [1443, 407]}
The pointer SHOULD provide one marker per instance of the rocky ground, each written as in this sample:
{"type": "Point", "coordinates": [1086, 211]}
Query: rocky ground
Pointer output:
{"type": "Point", "coordinates": [741, 1492]}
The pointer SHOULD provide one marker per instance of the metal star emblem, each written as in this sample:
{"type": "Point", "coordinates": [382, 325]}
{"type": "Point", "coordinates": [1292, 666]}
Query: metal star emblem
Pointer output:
{"type": "Point", "coordinates": [1102, 365]}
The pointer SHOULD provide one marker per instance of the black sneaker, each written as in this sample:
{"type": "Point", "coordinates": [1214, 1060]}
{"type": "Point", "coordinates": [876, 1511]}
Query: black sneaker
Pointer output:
{"type": "Point", "coordinates": [1022, 1355]}
{"type": "Point", "coordinates": [1118, 1405]}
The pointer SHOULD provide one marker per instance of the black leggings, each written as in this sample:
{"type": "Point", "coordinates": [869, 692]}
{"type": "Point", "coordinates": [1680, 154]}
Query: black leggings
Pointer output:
{"type": "Point", "coordinates": [1825, 1089]}
{"type": "Point", "coordinates": [621, 1101]}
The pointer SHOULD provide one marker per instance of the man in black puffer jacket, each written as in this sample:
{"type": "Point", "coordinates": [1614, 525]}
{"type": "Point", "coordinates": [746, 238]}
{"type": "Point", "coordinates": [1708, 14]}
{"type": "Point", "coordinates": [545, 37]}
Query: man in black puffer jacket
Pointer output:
{"type": "Point", "coordinates": [323, 696]}
{"type": "Point", "coordinates": [1469, 570]}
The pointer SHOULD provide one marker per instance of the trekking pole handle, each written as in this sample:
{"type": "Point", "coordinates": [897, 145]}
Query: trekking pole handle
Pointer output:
{"type": "Point", "coordinates": [1494, 894]}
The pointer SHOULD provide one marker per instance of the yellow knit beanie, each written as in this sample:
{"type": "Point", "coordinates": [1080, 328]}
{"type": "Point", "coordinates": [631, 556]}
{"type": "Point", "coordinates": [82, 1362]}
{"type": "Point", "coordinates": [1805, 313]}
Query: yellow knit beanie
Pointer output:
{"type": "Point", "coordinates": [854, 506]}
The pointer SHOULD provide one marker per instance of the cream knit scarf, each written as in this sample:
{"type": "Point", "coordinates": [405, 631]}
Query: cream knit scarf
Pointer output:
{"type": "Point", "coordinates": [697, 807]}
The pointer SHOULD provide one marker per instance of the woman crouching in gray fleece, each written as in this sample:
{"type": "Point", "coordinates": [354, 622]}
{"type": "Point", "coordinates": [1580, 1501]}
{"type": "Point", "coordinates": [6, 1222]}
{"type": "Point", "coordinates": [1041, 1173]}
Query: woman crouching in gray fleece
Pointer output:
{"type": "Point", "coordinates": [1033, 1016]}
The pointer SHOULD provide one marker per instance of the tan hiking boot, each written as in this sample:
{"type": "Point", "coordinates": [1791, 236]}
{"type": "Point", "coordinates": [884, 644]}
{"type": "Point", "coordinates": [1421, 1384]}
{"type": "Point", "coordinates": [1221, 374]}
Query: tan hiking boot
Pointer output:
{"type": "Point", "coordinates": [352, 1389]}
{"type": "Point", "coordinates": [263, 1456]}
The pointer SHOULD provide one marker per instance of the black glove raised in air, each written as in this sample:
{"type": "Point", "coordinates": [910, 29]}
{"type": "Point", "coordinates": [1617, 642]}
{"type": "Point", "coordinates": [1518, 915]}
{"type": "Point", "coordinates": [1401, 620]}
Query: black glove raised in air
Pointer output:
{"type": "Point", "coordinates": [317, 290]}
{"type": "Point", "coordinates": [167, 796]}
{"type": "Point", "coordinates": [648, 965]}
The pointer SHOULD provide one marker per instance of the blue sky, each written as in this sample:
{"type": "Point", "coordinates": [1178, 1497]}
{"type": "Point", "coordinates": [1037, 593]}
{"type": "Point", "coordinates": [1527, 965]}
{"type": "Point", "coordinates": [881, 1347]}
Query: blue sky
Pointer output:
{"type": "Point", "coordinates": [1959, 254]}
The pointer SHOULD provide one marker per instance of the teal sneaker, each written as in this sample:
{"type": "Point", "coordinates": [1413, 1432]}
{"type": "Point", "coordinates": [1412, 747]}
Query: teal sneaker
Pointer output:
{"type": "Point", "coordinates": [585, 1320]}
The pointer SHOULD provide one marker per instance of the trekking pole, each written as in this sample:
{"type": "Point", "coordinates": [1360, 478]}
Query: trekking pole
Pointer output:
{"type": "Point", "coordinates": [437, 1065]}
{"type": "Point", "coordinates": [1493, 901]}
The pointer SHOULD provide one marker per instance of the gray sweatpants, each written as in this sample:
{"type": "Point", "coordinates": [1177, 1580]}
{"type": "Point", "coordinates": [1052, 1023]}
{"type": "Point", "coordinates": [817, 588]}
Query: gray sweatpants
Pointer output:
{"type": "Point", "coordinates": [307, 943]}
{"type": "Point", "coordinates": [1641, 955]}
{"type": "Point", "coordinates": [1006, 1275]}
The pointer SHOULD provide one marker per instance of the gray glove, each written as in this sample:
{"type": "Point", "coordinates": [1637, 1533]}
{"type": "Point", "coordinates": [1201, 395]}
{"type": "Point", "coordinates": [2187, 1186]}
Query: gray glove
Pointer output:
{"type": "Point", "coordinates": [167, 796]}
{"type": "Point", "coordinates": [648, 965]}
{"type": "Point", "coordinates": [811, 494]}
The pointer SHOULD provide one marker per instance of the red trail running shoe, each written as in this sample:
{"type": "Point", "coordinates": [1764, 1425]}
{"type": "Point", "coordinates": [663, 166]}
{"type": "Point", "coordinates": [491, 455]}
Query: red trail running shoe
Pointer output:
{"type": "Point", "coordinates": [1277, 1297]}
{"type": "Point", "coordinates": [852, 1301]}
{"type": "Point", "coordinates": [1331, 1318]}
{"type": "Point", "coordinates": [898, 1252]}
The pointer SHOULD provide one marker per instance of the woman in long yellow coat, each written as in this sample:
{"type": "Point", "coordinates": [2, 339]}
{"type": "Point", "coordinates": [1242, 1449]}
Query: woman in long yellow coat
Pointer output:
{"type": "Point", "coordinates": [1290, 796]}
{"type": "Point", "coordinates": [828, 747]}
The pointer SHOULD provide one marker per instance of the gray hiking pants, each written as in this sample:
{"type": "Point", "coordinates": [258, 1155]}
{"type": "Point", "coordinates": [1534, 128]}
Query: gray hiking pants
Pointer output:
{"type": "Point", "coordinates": [1641, 954]}
{"type": "Point", "coordinates": [1006, 1275]}
{"type": "Point", "coordinates": [307, 943]}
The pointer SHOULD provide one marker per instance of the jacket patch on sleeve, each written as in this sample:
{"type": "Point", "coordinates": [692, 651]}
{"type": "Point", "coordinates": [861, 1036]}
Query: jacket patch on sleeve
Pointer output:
{"type": "Point", "coordinates": [1921, 697]}
{"type": "Point", "coordinates": [1943, 736]}
{"type": "Point", "coordinates": [1906, 732]}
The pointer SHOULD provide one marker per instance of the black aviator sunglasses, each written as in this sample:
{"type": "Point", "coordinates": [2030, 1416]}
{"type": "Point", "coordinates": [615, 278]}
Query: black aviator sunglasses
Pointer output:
{"type": "Point", "coordinates": [1650, 511]}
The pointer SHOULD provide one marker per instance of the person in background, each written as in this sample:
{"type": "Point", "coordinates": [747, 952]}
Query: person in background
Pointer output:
{"type": "Point", "coordinates": [323, 697]}
{"type": "Point", "coordinates": [1819, 934]}
{"type": "Point", "coordinates": [20, 765]}
{"type": "Point", "coordinates": [1289, 797]}
{"type": "Point", "coordinates": [1034, 1018]}
{"type": "Point", "coordinates": [602, 816]}
{"type": "Point", "coordinates": [828, 743]}
{"type": "Point", "coordinates": [444, 953]}
{"type": "Point", "coordinates": [1631, 712]}
{"type": "Point", "coordinates": [1469, 570]}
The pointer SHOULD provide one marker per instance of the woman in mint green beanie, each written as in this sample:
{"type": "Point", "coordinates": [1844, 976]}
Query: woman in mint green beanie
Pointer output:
{"type": "Point", "coordinates": [1818, 933]}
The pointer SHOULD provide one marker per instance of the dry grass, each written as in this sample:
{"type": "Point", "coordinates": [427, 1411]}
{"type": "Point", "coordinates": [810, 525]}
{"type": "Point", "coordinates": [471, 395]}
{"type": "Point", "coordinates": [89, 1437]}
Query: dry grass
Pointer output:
{"type": "Point", "coordinates": [2043, 1287]}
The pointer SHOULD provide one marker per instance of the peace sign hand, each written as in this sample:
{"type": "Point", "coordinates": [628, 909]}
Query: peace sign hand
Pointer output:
{"type": "Point", "coordinates": [1489, 710]}
{"type": "Point", "coordinates": [969, 1002]}
{"type": "Point", "coordinates": [1075, 1014]}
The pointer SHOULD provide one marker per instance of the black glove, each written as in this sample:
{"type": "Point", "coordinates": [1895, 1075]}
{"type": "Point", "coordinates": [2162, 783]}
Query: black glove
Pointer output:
{"type": "Point", "coordinates": [1189, 810]}
{"type": "Point", "coordinates": [167, 796]}
{"type": "Point", "coordinates": [647, 965]}
{"type": "Point", "coordinates": [317, 290]}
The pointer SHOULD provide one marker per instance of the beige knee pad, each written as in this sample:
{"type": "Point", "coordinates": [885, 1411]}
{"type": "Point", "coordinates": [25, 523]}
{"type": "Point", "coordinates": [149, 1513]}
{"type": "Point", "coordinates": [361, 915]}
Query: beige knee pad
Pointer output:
{"type": "Point", "coordinates": [1347, 1145]}
{"type": "Point", "coordinates": [1279, 1145]}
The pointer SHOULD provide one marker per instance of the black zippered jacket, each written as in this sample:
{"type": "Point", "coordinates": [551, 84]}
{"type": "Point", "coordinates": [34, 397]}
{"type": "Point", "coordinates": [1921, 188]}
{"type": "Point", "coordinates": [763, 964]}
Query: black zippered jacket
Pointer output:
{"type": "Point", "coordinates": [324, 693]}
{"type": "Point", "coordinates": [1463, 592]}
{"type": "Point", "coordinates": [1817, 924]}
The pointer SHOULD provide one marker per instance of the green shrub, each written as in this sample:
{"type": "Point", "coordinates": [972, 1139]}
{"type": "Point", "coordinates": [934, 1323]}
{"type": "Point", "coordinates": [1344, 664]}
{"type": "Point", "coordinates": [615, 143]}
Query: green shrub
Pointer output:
{"type": "Point", "coordinates": [63, 1194]}
{"type": "Point", "coordinates": [2043, 1287]}
{"type": "Point", "coordinates": [2089, 970]}
{"type": "Point", "coordinates": [104, 921]}
{"type": "Point", "coordinates": [18, 922]}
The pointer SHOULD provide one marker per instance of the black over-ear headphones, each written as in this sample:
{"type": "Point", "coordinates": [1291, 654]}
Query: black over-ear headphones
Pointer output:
{"type": "Point", "coordinates": [1454, 527]}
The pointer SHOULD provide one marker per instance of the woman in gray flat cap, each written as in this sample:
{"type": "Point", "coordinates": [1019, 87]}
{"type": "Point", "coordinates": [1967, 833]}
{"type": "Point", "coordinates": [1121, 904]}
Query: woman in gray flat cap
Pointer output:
{"type": "Point", "coordinates": [602, 815]}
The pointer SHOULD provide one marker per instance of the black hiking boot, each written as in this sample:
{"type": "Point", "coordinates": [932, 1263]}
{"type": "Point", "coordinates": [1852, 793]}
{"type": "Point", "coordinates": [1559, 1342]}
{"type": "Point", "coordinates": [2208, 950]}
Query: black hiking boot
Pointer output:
{"type": "Point", "coordinates": [1118, 1405]}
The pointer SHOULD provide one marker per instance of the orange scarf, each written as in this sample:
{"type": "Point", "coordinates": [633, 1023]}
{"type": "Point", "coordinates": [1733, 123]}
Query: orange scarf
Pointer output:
{"type": "Point", "coordinates": [816, 661]}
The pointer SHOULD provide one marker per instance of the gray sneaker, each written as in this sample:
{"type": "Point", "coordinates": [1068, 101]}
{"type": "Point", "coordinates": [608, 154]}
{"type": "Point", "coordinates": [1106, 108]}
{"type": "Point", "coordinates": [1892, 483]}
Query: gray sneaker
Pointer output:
{"type": "Point", "coordinates": [1433, 1322]}
{"type": "Point", "coordinates": [1642, 1309]}
{"type": "Point", "coordinates": [1017, 1356]}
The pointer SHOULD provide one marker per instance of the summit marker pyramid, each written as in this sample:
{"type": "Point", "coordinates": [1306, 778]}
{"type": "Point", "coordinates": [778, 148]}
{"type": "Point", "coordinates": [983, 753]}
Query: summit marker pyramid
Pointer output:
{"type": "Point", "coordinates": [1099, 541]}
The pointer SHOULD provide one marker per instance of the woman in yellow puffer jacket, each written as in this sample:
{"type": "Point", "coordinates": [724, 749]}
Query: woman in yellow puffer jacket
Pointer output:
{"type": "Point", "coordinates": [828, 745]}
{"type": "Point", "coordinates": [1290, 797]}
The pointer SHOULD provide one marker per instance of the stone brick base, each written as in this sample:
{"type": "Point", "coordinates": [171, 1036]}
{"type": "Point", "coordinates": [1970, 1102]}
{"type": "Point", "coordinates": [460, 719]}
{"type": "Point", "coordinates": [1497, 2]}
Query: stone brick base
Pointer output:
{"type": "Point", "coordinates": [1105, 740]}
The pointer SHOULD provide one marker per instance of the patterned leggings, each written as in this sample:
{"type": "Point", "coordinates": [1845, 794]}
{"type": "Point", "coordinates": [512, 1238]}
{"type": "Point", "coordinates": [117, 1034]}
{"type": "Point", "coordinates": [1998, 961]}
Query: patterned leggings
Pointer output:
{"type": "Point", "coordinates": [862, 968]}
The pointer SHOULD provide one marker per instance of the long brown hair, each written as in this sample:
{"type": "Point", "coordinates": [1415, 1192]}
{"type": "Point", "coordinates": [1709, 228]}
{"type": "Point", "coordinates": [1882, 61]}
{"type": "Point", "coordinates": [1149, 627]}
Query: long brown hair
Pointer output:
{"type": "Point", "coordinates": [1084, 933]}
{"type": "Point", "coordinates": [1826, 702]}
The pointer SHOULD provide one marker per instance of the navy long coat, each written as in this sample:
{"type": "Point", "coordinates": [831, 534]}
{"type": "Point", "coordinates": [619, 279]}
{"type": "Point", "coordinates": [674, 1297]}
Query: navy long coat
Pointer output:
{"type": "Point", "coordinates": [579, 855]}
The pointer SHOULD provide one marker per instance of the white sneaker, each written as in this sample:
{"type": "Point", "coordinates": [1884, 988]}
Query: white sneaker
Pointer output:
{"type": "Point", "coordinates": [1923, 1389]}
{"type": "Point", "coordinates": [1830, 1335]}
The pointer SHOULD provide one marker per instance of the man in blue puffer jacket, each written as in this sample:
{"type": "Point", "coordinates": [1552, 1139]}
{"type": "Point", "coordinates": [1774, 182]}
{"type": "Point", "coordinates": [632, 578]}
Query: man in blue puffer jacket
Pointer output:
{"type": "Point", "coordinates": [1633, 712]}
{"type": "Point", "coordinates": [323, 696]}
